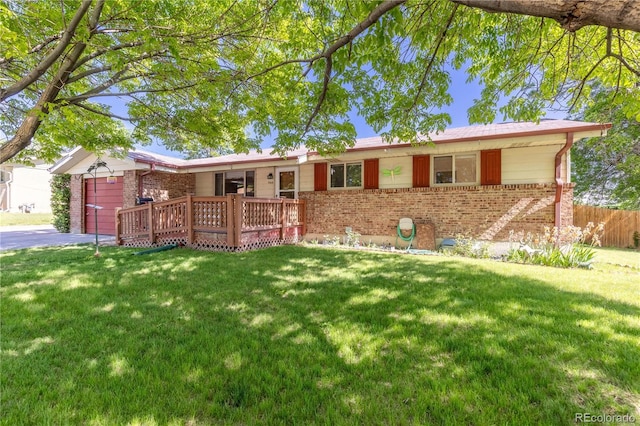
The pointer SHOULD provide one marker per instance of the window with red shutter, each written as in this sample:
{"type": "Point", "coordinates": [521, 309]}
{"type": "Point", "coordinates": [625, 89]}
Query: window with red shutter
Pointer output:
{"type": "Point", "coordinates": [420, 171]}
{"type": "Point", "coordinates": [491, 167]}
{"type": "Point", "coordinates": [320, 177]}
{"type": "Point", "coordinates": [371, 173]}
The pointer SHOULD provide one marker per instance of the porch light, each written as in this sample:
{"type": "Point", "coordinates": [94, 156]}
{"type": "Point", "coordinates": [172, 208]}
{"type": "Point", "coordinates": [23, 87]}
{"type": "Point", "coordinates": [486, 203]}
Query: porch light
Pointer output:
{"type": "Point", "coordinates": [93, 171]}
{"type": "Point", "coordinates": [270, 176]}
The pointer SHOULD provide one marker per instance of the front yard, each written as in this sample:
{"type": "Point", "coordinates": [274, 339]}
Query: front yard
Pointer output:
{"type": "Point", "coordinates": [303, 335]}
{"type": "Point", "coordinates": [13, 219]}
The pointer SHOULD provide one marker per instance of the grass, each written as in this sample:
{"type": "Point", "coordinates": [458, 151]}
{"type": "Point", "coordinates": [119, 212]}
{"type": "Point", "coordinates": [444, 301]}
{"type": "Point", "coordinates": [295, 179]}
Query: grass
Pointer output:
{"type": "Point", "coordinates": [307, 335]}
{"type": "Point", "coordinates": [11, 219]}
{"type": "Point", "coordinates": [618, 257]}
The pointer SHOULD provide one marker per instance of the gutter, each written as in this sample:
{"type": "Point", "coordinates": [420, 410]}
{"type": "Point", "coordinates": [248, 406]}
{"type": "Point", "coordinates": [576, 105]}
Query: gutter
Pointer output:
{"type": "Point", "coordinates": [559, 182]}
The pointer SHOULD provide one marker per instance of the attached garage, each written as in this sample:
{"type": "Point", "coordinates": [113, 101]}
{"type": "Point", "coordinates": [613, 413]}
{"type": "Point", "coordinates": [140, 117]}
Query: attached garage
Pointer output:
{"type": "Point", "coordinates": [108, 196]}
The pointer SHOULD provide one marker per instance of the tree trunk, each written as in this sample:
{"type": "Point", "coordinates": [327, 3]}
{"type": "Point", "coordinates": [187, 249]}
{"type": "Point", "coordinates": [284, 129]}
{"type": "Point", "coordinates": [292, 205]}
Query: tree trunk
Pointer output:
{"type": "Point", "coordinates": [51, 58]}
{"type": "Point", "coordinates": [21, 139]}
{"type": "Point", "coordinates": [571, 14]}
{"type": "Point", "coordinates": [30, 125]}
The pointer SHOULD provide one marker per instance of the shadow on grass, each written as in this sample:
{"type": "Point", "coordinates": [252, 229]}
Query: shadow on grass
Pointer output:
{"type": "Point", "coordinates": [295, 335]}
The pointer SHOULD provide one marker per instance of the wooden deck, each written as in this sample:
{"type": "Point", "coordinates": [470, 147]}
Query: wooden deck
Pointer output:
{"type": "Point", "coordinates": [230, 223]}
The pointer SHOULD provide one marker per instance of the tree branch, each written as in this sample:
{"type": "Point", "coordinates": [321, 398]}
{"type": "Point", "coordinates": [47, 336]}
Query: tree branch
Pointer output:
{"type": "Point", "coordinates": [87, 73]}
{"type": "Point", "coordinates": [94, 17]}
{"type": "Point", "coordinates": [323, 94]}
{"type": "Point", "coordinates": [32, 122]}
{"type": "Point", "coordinates": [51, 58]}
{"type": "Point", "coordinates": [94, 93]}
{"type": "Point", "coordinates": [103, 113]}
{"type": "Point", "coordinates": [427, 70]}
{"type": "Point", "coordinates": [619, 57]}
{"type": "Point", "coordinates": [371, 19]}
{"type": "Point", "coordinates": [101, 52]}
{"type": "Point", "coordinates": [93, 71]}
{"type": "Point", "coordinates": [572, 15]}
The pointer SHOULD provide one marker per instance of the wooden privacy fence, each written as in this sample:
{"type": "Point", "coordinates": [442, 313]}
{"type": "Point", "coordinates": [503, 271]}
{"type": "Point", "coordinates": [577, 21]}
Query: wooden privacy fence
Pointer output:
{"type": "Point", "coordinates": [230, 223]}
{"type": "Point", "coordinates": [619, 225]}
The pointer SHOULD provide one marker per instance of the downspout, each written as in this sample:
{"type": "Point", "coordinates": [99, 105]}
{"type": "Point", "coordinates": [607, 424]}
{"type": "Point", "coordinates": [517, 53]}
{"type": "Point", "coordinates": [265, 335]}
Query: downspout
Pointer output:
{"type": "Point", "coordinates": [559, 181]}
{"type": "Point", "coordinates": [8, 188]}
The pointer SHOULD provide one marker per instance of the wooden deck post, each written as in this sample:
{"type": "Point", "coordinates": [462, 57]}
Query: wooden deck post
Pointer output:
{"type": "Point", "coordinates": [238, 218]}
{"type": "Point", "coordinates": [118, 226]}
{"type": "Point", "coordinates": [230, 222]}
{"type": "Point", "coordinates": [302, 215]}
{"type": "Point", "coordinates": [283, 218]}
{"type": "Point", "coordinates": [189, 219]}
{"type": "Point", "coordinates": [152, 237]}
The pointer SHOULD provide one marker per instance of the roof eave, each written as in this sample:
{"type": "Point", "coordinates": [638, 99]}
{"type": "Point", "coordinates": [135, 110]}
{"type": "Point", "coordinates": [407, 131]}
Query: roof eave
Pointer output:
{"type": "Point", "coordinates": [602, 128]}
{"type": "Point", "coordinates": [69, 160]}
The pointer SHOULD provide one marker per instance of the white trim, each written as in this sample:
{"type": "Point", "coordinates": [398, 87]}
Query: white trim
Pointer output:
{"type": "Point", "coordinates": [296, 179]}
{"type": "Point", "coordinates": [432, 163]}
{"type": "Point", "coordinates": [345, 163]}
{"type": "Point", "coordinates": [244, 179]}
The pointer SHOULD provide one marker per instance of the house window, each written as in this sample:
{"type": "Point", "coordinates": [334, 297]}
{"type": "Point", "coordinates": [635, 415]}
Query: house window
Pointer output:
{"type": "Point", "coordinates": [346, 175]}
{"type": "Point", "coordinates": [235, 182]}
{"type": "Point", "coordinates": [460, 168]}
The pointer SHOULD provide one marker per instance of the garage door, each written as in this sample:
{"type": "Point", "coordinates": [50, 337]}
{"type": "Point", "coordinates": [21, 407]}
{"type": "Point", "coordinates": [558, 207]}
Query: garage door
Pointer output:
{"type": "Point", "coordinates": [108, 196]}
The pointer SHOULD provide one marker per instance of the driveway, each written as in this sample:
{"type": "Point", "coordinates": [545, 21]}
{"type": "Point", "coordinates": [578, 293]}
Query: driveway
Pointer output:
{"type": "Point", "coordinates": [18, 237]}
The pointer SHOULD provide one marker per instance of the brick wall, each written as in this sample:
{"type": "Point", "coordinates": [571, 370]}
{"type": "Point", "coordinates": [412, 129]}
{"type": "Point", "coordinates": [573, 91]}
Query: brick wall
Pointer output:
{"type": "Point", "coordinates": [157, 185]}
{"type": "Point", "coordinates": [76, 215]}
{"type": "Point", "coordinates": [129, 189]}
{"type": "Point", "coordinates": [486, 212]}
{"type": "Point", "coordinates": [164, 186]}
{"type": "Point", "coordinates": [566, 214]}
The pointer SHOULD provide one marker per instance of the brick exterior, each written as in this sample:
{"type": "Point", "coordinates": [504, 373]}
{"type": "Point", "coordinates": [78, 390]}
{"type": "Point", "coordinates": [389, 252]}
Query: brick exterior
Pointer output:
{"type": "Point", "coordinates": [157, 185]}
{"type": "Point", "coordinates": [485, 212]}
{"type": "Point", "coordinates": [129, 189]}
{"type": "Point", "coordinates": [566, 207]}
{"type": "Point", "coordinates": [164, 186]}
{"type": "Point", "coordinates": [76, 210]}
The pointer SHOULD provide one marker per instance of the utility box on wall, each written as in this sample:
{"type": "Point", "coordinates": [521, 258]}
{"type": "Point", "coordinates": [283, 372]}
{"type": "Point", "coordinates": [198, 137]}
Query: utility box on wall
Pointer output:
{"type": "Point", "coordinates": [425, 238]}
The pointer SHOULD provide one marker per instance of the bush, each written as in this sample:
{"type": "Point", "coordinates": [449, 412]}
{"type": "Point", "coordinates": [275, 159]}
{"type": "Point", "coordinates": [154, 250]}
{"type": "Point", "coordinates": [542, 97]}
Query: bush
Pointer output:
{"type": "Point", "coordinates": [60, 202]}
{"type": "Point", "coordinates": [564, 248]}
{"type": "Point", "coordinates": [468, 247]}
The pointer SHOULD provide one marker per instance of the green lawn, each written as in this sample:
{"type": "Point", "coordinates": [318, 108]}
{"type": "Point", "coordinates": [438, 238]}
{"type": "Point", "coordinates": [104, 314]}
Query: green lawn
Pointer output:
{"type": "Point", "coordinates": [618, 257]}
{"type": "Point", "coordinates": [306, 335]}
{"type": "Point", "coordinates": [10, 219]}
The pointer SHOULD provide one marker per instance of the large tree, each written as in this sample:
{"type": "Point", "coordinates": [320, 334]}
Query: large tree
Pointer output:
{"type": "Point", "coordinates": [607, 169]}
{"type": "Point", "coordinates": [204, 74]}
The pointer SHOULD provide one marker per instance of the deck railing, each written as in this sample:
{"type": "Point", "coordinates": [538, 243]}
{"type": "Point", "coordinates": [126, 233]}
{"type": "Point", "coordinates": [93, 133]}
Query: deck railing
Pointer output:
{"type": "Point", "coordinates": [229, 223]}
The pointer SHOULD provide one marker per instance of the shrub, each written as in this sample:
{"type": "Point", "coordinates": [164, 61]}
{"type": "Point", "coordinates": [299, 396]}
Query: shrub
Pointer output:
{"type": "Point", "coordinates": [568, 247]}
{"type": "Point", "coordinates": [468, 247]}
{"type": "Point", "coordinates": [352, 239]}
{"type": "Point", "coordinates": [60, 202]}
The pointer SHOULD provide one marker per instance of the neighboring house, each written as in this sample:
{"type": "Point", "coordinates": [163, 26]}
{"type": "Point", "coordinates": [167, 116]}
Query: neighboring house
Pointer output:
{"type": "Point", "coordinates": [25, 188]}
{"type": "Point", "coordinates": [481, 181]}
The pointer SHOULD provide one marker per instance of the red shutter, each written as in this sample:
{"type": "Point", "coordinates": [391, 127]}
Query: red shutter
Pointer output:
{"type": "Point", "coordinates": [320, 177]}
{"type": "Point", "coordinates": [420, 171]}
{"type": "Point", "coordinates": [490, 167]}
{"type": "Point", "coordinates": [371, 173]}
